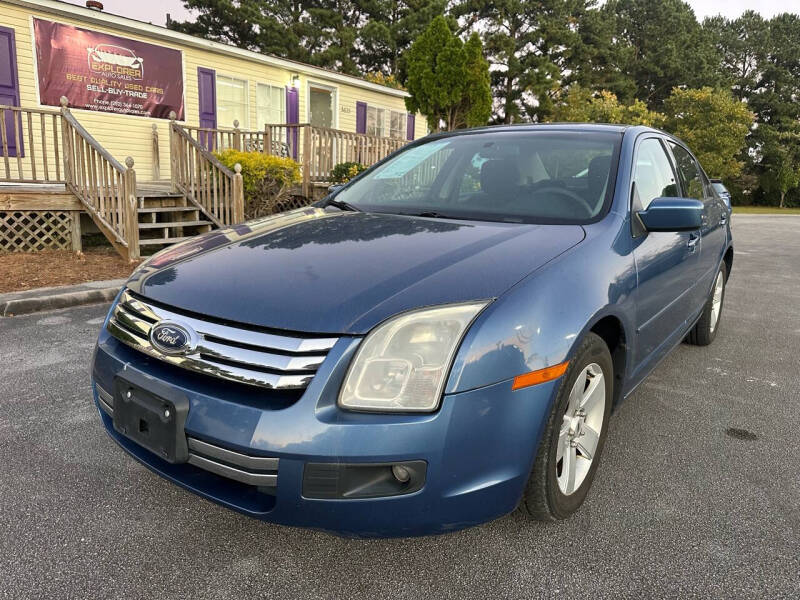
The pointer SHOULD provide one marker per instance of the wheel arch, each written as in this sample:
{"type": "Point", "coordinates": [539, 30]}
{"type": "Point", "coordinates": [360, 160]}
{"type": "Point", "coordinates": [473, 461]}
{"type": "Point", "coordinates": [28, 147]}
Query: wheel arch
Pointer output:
{"type": "Point", "coordinates": [611, 330]}
{"type": "Point", "coordinates": [728, 258]}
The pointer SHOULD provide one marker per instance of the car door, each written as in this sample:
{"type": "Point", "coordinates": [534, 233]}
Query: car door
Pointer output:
{"type": "Point", "coordinates": [713, 233]}
{"type": "Point", "coordinates": [666, 262]}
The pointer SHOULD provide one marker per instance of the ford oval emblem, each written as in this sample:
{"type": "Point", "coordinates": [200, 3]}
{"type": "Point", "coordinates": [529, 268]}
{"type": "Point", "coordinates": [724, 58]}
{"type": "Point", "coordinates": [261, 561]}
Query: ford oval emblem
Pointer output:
{"type": "Point", "coordinates": [171, 338]}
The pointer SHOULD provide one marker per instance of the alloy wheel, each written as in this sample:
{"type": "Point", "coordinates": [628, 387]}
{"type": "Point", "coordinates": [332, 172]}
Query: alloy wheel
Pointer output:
{"type": "Point", "coordinates": [580, 429]}
{"type": "Point", "coordinates": [716, 300]}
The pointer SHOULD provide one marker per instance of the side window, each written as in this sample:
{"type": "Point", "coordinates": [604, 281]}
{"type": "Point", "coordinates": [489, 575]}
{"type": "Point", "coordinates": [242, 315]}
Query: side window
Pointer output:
{"type": "Point", "coordinates": [689, 172]}
{"type": "Point", "coordinates": [652, 174]}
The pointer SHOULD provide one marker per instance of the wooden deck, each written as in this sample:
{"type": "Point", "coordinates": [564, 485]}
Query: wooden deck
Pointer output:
{"type": "Point", "coordinates": [32, 196]}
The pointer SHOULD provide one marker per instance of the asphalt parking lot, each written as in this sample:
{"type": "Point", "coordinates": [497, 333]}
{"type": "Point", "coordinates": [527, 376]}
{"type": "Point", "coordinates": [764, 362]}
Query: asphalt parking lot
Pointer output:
{"type": "Point", "coordinates": [698, 493]}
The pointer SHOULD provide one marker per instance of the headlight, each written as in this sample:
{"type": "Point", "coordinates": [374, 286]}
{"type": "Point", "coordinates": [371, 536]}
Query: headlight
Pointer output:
{"type": "Point", "coordinates": [403, 363]}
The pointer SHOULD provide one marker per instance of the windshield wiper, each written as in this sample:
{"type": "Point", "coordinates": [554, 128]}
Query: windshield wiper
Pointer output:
{"type": "Point", "coordinates": [432, 214]}
{"type": "Point", "coordinates": [341, 205]}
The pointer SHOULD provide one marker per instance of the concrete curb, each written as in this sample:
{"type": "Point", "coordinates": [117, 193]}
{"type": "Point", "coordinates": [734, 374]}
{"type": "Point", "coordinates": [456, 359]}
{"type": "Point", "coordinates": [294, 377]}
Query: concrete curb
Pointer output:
{"type": "Point", "coordinates": [37, 300]}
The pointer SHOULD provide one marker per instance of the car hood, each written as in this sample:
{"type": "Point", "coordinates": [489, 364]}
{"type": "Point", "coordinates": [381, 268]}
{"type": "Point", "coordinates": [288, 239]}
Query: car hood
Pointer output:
{"type": "Point", "coordinates": [322, 271]}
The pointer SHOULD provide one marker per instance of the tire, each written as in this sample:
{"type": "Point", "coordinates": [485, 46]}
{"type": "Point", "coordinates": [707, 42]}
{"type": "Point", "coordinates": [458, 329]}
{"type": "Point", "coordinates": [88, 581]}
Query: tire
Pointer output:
{"type": "Point", "coordinates": [547, 496]}
{"type": "Point", "coordinates": [705, 330]}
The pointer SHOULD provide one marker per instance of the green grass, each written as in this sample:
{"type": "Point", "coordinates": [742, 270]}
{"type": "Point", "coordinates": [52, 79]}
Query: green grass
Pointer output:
{"type": "Point", "coordinates": [764, 210]}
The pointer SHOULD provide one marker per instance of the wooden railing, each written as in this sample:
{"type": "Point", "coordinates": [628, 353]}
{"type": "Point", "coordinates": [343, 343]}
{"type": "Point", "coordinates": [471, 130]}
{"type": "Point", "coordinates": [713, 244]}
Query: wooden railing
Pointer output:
{"type": "Point", "coordinates": [204, 180]}
{"type": "Point", "coordinates": [278, 140]}
{"type": "Point", "coordinates": [317, 149]}
{"type": "Point", "coordinates": [106, 188]}
{"type": "Point", "coordinates": [329, 147]}
{"type": "Point", "coordinates": [30, 145]}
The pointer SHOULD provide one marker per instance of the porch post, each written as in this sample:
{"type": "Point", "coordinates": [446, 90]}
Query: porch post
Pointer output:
{"type": "Point", "coordinates": [238, 194]}
{"type": "Point", "coordinates": [131, 212]}
{"type": "Point", "coordinates": [173, 153]}
{"type": "Point", "coordinates": [156, 155]}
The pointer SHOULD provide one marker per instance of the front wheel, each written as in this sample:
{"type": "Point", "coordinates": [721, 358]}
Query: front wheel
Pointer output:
{"type": "Point", "coordinates": [705, 330]}
{"type": "Point", "coordinates": [570, 449]}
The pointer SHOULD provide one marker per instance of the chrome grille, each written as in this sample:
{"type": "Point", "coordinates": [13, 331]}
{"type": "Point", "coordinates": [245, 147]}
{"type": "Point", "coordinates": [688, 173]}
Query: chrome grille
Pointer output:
{"type": "Point", "coordinates": [253, 357]}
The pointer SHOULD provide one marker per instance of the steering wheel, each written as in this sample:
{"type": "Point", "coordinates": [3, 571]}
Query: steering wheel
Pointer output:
{"type": "Point", "coordinates": [568, 194]}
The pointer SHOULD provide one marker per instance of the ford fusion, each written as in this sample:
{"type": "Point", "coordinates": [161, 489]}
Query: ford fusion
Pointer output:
{"type": "Point", "coordinates": [433, 345]}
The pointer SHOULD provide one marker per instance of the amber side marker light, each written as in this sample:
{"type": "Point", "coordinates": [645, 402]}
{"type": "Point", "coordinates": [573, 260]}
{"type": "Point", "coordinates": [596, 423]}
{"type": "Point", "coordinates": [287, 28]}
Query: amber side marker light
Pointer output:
{"type": "Point", "coordinates": [540, 376]}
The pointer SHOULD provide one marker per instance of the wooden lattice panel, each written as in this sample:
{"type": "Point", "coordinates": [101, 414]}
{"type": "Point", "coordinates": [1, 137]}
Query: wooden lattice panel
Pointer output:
{"type": "Point", "coordinates": [34, 230]}
{"type": "Point", "coordinates": [292, 202]}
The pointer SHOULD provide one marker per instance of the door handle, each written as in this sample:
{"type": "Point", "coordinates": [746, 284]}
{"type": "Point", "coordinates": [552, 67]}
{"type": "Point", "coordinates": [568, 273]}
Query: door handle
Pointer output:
{"type": "Point", "coordinates": [723, 219]}
{"type": "Point", "coordinates": [693, 239]}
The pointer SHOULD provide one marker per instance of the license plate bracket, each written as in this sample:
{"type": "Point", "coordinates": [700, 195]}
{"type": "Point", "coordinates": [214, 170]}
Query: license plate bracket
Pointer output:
{"type": "Point", "coordinates": [153, 415]}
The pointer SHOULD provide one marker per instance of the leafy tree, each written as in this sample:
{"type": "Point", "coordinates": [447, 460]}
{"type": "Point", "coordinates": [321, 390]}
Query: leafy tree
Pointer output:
{"type": "Point", "coordinates": [381, 79]}
{"type": "Point", "coordinates": [742, 44]}
{"type": "Point", "coordinates": [528, 45]}
{"type": "Point", "coordinates": [778, 86]}
{"type": "Point", "coordinates": [781, 162]}
{"type": "Point", "coordinates": [662, 46]}
{"type": "Point", "coordinates": [580, 105]}
{"type": "Point", "coordinates": [388, 29]}
{"type": "Point", "coordinates": [320, 32]}
{"type": "Point", "coordinates": [599, 61]}
{"type": "Point", "coordinates": [714, 125]}
{"type": "Point", "coordinates": [447, 79]}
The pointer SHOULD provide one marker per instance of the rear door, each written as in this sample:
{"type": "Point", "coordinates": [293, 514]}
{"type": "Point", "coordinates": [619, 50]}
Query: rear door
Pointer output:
{"type": "Point", "coordinates": [9, 91]}
{"type": "Point", "coordinates": [666, 262]}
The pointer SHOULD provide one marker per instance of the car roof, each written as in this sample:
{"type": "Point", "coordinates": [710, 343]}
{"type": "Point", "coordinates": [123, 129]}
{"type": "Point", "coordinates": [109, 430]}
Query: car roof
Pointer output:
{"type": "Point", "coordinates": [528, 127]}
{"type": "Point", "coordinates": [539, 126]}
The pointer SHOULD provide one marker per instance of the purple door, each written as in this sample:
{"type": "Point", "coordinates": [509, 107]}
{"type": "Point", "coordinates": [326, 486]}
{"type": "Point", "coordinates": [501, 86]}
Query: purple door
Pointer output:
{"type": "Point", "coordinates": [9, 89]}
{"type": "Point", "coordinates": [292, 118]}
{"type": "Point", "coordinates": [207, 100]}
{"type": "Point", "coordinates": [361, 117]}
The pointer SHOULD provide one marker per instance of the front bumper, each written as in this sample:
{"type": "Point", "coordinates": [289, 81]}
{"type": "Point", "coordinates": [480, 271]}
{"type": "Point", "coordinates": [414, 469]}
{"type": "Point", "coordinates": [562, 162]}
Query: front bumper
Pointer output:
{"type": "Point", "coordinates": [478, 447]}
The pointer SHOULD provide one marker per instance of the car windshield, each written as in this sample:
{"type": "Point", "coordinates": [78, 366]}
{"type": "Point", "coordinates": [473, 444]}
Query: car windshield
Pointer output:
{"type": "Point", "coordinates": [524, 177]}
{"type": "Point", "coordinates": [719, 188]}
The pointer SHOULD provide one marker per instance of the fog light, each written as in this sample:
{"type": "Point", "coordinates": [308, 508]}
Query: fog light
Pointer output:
{"type": "Point", "coordinates": [401, 473]}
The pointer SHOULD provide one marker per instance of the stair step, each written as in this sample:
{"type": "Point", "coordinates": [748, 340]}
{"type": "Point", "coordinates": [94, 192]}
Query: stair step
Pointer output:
{"type": "Point", "coordinates": [159, 241]}
{"type": "Point", "coordinates": [158, 194]}
{"type": "Point", "coordinates": [164, 209]}
{"type": "Point", "coordinates": [173, 224]}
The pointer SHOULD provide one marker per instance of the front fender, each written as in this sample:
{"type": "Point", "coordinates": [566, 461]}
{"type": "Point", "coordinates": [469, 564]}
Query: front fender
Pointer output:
{"type": "Point", "coordinates": [540, 321]}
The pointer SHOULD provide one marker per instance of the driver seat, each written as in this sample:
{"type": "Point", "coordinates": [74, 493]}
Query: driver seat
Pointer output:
{"type": "Point", "coordinates": [500, 178]}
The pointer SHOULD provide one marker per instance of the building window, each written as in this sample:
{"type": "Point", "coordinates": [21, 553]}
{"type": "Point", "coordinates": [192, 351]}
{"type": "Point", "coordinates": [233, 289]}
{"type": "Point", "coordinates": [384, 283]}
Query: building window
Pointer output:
{"type": "Point", "coordinates": [270, 105]}
{"type": "Point", "coordinates": [397, 127]}
{"type": "Point", "coordinates": [376, 121]}
{"type": "Point", "coordinates": [232, 102]}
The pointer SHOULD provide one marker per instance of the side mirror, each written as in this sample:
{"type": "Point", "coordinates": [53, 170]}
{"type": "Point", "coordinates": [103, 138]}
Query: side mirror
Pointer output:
{"type": "Point", "coordinates": [332, 189]}
{"type": "Point", "coordinates": [672, 214]}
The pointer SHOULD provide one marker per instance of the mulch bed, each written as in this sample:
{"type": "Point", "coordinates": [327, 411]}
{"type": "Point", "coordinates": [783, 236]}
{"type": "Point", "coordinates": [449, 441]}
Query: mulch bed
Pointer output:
{"type": "Point", "coordinates": [27, 270]}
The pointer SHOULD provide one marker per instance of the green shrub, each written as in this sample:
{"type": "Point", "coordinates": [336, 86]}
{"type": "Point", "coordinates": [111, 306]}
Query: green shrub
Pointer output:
{"type": "Point", "coordinates": [267, 179]}
{"type": "Point", "coordinates": [344, 172]}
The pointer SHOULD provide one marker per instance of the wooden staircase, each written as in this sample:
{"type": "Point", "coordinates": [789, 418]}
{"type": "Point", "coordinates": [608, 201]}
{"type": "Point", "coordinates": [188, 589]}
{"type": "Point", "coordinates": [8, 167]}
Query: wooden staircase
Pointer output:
{"type": "Point", "coordinates": [166, 218]}
{"type": "Point", "coordinates": [137, 218]}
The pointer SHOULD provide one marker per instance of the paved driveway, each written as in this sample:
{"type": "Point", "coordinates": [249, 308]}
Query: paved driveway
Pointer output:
{"type": "Point", "coordinates": [698, 492]}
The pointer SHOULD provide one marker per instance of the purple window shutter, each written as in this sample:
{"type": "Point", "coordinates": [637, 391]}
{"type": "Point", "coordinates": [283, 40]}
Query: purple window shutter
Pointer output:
{"type": "Point", "coordinates": [361, 117]}
{"type": "Point", "coordinates": [9, 89]}
{"type": "Point", "coordinates": [410, 122]}
{"type": "Point", "coordinates": [207, 100]}
{"type": "Point", "coordinates": [293, 118]}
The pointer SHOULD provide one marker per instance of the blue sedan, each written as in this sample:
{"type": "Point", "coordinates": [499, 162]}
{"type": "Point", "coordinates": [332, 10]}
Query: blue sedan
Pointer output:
{"type": "Point", "coordinates": [437, 343]}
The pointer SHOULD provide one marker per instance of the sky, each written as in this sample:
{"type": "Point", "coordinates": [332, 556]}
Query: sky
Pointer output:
{"type": "Point", "coordinates": [155, 11]}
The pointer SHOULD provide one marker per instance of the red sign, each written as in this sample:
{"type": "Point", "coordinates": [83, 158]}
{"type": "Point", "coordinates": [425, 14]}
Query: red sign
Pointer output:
{"type": "Point", "coordinates": [97, 71]}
